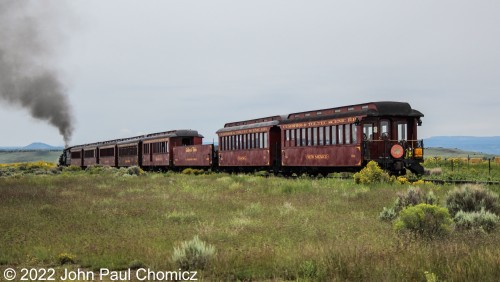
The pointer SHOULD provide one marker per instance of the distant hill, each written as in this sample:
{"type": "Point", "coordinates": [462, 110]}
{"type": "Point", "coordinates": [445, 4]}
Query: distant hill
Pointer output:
{"type": "Point", "coordinates": [41, 146]}
{"type": "Point", "coordinates": [485, 145]}
{"type": "Point", "coordinates": [430, 152]}
{"type": "Point", "coordinates": [36, 146]}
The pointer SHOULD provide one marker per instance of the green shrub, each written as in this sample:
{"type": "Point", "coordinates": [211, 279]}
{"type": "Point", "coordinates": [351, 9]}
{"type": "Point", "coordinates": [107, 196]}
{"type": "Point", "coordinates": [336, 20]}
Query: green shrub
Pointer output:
{"type": "Point", "coordinates": [193, 255]}
{"type": "Point", "coordinates": [262, 173]}
{"type": "Point", "coordinates": [430, 277]}
{"type": "Point", "coordinates": [308, 269]}
{"type": "Point", "coordinates": [136, 264]}
{"type": "Point", "coordinates": [387, 214]}
{"type": "Point", "coordinates": [66, 258]}
{"type": "Point", "coordinates": [96, 169]}
{"type": "Point", "coordinates": [412, 197]}
{"type": "Point", "coordinates": [424, 220]}
{"type": "Point", "coordinates": [135, 170]}
{"type": "Point", "coordinates": [72, 168]}
{"type": "Point", "coordinates": [472, 198]}
{"type": "Point", "coordinates": [194, 171]}
{"type": "Point", "coordinates": [372, 173]}
{"type": "Point", "coordinates": [482, 220]}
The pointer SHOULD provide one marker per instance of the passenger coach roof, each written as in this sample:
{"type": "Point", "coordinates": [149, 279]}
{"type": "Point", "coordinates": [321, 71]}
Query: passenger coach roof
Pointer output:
{"type": "Point", "coordinates": [165, 134]}
{"type": "Point", "coordinates": [396, 109]}
{"type": "Point", "coordinates": [373, 109]}
{"type": "Point", "coordinates": [249, 126]}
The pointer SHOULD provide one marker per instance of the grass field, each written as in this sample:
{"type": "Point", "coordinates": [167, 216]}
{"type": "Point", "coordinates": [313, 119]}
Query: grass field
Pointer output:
{"type": "Point", "coordinates": [262, 228]}
{"type": "Point", "coordinates": [33, 156]}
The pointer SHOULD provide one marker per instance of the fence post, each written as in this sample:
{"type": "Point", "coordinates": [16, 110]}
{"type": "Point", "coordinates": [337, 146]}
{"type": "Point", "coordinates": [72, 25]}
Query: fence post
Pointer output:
{"type": "Point", "coordinates": [451, 164]}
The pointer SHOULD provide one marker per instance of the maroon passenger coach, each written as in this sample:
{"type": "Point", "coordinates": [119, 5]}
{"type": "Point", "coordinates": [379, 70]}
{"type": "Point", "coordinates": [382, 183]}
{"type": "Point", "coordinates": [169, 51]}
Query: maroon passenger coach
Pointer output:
{"type": "Point", "coordinates": [346, 138]}
{"type": "Point", "coordinates": [320, 141]}
{"type": "Point", "coordinates": [250, 145]}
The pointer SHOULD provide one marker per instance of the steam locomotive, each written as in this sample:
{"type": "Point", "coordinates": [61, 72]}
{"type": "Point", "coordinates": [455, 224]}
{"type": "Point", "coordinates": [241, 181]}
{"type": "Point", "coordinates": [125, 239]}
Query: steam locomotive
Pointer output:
{"type": "Point", "coordinates": [320, 141]}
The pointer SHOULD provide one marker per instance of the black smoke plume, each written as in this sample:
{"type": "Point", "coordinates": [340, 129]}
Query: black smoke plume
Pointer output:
{"type": "Point", "coordinates": [29, 35]}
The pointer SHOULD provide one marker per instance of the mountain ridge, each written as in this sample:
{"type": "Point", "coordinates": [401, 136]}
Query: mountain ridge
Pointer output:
{"type": "Point", "coordinates": [35, 146]}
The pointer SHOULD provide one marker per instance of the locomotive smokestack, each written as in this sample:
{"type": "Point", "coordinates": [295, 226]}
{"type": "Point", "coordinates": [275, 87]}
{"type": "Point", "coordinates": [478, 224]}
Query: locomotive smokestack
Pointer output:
{"type": "Point", "coordinates": [28, 79]}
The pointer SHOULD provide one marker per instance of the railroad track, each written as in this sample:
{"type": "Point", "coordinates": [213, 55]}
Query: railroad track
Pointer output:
{"type": "Point", "coordinates": [440, 181]}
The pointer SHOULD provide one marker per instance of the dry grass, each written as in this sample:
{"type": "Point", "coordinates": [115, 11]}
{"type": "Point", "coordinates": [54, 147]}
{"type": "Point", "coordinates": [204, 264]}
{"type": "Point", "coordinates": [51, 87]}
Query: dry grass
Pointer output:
{"type": "Point", "coordinates": [262, 228]}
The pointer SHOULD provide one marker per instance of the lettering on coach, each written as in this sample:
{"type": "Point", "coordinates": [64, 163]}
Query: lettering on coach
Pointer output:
{"type": "Point", "coordinates": [317, 156]}
{"type": "Point", "coordinates": [320, 123]}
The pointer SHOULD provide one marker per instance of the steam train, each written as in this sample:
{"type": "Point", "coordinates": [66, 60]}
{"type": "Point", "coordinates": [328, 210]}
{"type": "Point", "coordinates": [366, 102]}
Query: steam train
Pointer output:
{"type": "Point", "coordinates": [320, 141]}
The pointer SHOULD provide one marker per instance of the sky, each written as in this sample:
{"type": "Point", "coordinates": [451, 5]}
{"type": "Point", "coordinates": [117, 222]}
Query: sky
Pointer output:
{"type": "Point", "coordinates": [135, 67]}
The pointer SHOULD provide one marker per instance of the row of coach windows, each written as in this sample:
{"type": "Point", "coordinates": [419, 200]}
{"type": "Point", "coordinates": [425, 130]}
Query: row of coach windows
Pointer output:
{"type": "Point", "coordinates": [108, 152]}
{"type": "Point", "coordinates": [159, 147]}
{"type": "Point", "coordinates": [244, 141]}
{"type": "Point", "coordinates": [321, 136]}
{"type": "Point", "coordinates": [127, 151]}
{"type": "Point", "coordinates": [89, 154]}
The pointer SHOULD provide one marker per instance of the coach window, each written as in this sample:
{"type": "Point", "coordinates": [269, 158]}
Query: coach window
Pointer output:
{"type": "Point", "coordinates": [334, 134]}
{"type": "Point", "coordinates": [347, 134]}
{"type": "Point", "coordinates": [321, 136]}
{"type": "Point", "coordinates": [341, 134]}
{"type": "Point", "coordinates": [327, 135]}
{"type": "Point", "coordinates": [354, 132]}
{"type": "Point", "coordinates": [384, 129]}
{"type": "Point", "coordinates": [300, 136]}
{"type": "Point", "coordinates": [265, 139]}
{"type": "Point", "coordinates": [287, 138]}
{"type": "Point", "coordinates": [315, 136]}
{"type": "Point", "coordinates": [309, 137]}
{"type": "Point", "coordinates": [402, 131]}
{"type": "Point", "coordinates": [368, 131]}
